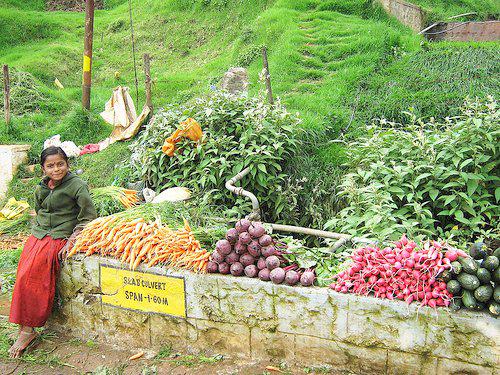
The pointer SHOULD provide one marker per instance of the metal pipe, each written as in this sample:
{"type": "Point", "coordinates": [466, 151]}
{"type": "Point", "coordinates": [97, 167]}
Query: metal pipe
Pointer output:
{"type": "Point", "coordinates": [255, 215]}
{"type": "Point", "coordinates": [240, 191]}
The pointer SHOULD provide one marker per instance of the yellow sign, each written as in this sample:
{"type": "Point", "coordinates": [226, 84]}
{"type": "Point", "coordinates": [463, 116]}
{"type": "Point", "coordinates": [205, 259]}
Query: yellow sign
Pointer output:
{"type": "Point", "coordinates": [86, 63]}
{"type": "Point", "coordinates": [143, 291]}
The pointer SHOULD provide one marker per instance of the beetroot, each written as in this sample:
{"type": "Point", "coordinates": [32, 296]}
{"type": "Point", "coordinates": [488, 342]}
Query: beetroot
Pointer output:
{"type": "Point", "coordinates": [245, 238]}
{"type": "Point", "coordinates": [240, 248]}
{"type": "Point", "coordinates": [223, 247]}
{"type": "Point", "coordinates": [307, 278]}
{"type": "Point", "coordinates": [265, 240]}
{"type": "Point", "coordinates": [254, 248]}
{"type": "Point", "coordinates": [264, 274]}
{"type": "Point", "coordinates": [247, 259]}
{"type": "Point", "coordinates": [242, 225]}
{"type": "Point", "coordinates": [277, 275]}
{"type": "Point", "coordinates": [212, 267]}
{"type": "Point", "coordinates": [224, 268]}
{"type": "Point", "coordinates": [292, 277]}
{"type": "Point", "coordinates": [232, 235]}
{"type": "Point", "coordinates": [261, 263]}
{"type": "Point", "coordinates": [232, 258]}
{"type": "Point", "coordinates": [251, 270]}
{"type": "Point", "coordinates": [236, 269]}
{"type": "Point", "coordinates": [217, 257]}
{"type": "Point", "coordinates": [267, 251]}
{"type": "Point", "coordinates": [272, 262]}
{"type": "Point", "coordinates": [256, 230]}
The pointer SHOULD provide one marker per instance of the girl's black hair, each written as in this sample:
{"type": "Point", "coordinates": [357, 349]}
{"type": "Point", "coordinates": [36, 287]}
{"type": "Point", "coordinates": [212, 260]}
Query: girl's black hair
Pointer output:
{"type": "Point", "coordinates": [52, 150]}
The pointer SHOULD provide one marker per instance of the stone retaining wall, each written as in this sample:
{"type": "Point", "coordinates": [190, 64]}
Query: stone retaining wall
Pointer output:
{"type": "Point", "coordinates": [309, 326]}
{"type": "Point", "coordinates": [11, 156]}
{"type": "Point", "coordinates": [465, 31]}
{"type": "Point", "coordinates": [407, 13]}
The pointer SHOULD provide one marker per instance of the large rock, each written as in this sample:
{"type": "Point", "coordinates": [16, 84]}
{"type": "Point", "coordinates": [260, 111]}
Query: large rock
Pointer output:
{"type": "Point", "coordinates": [235, 81]}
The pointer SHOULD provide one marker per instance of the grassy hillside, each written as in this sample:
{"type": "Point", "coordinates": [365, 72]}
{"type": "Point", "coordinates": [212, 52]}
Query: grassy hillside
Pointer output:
{"type": "Point", "coordinates": [442, 9]}
{"type": "Point", "coordinates": [340, 63]}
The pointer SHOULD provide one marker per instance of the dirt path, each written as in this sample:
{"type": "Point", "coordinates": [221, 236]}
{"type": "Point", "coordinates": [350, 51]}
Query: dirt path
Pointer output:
{"type": "Point", "coordinates": [58, 354]}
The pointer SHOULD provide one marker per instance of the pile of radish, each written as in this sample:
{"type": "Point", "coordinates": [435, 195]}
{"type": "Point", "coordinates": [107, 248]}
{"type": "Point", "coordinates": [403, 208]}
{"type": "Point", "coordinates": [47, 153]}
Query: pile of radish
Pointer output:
{"type": "Point", "coordinates": [249, 250]}
{"type": "Point", "coordinates": [402, 271]}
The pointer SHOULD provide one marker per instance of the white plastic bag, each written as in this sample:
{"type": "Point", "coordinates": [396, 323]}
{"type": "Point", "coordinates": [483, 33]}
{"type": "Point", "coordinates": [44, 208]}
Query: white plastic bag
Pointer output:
{"type": "Point", "coordinates": [69, 147]}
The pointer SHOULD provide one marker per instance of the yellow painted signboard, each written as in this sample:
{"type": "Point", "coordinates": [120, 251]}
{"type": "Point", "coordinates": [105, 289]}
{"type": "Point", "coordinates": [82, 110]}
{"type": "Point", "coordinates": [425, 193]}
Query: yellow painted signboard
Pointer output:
{"type": "Point", "coordinates": [143, 291]}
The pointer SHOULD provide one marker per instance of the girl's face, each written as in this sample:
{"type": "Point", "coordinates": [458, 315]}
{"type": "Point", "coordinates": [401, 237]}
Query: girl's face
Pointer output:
{"type": "Point", "coordinates": [55, 167]}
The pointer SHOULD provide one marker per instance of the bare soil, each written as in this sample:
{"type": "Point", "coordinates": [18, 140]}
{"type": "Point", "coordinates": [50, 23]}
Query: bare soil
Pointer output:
{"type": "Point", "coordinates": [75, 357]}
{"type": "Point", "coordinates": [12, 242]}
{"type": "Point", "coordinates": [71, 5]}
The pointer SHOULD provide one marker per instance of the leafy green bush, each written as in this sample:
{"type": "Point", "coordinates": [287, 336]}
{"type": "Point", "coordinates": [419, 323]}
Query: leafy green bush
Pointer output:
{"type": "Point", "coordinates": [425, 177]}
{"type": "Point", "coordinates": [238, 132]}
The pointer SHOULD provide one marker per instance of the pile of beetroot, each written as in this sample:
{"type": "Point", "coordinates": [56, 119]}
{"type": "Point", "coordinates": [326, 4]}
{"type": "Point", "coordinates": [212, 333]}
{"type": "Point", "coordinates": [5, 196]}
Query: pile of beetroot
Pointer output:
{"type": "Point", "coordinates": [249, 250]}
{"type": "Point", "coordinates": [403, 271]}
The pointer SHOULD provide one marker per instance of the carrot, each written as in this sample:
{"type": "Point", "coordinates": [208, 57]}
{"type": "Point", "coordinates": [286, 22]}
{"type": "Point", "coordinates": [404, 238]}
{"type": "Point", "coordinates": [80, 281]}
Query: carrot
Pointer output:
{"type": "Point", "coordinates": [136, 356]}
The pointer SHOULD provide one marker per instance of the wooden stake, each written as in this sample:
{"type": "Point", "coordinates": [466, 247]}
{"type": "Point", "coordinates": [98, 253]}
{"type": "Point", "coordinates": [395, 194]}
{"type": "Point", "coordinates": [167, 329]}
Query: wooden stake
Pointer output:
{"type": "Point", "coordinates": [6, 94]}
{"type": "Point", "coordinates": [149, 103]}
{"type": "Point", "coordinates": [268, 76]}
{"type": "Point", "coordinates": [87, 54]}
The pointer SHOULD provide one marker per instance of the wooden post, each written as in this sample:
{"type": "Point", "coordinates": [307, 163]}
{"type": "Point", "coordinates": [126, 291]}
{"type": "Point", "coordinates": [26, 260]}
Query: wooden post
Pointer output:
{"type": "Point", "coordinates": [6, 94]}
{"type": "Point", "coordinates": [268, 76]}
{"type": "Point", "coordinates": [87, 54]}
{"type": "Point", "coordinates": [149, 103]}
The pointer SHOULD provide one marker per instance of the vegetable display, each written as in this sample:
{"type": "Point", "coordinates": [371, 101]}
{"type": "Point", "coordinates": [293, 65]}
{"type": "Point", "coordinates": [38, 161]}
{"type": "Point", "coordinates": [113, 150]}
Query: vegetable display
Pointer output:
{"type": "Point", "coordinates": [109, 200]}
{"type": "Point", "coordinates": [474, 280]}
{"type": "Point", "coordinates": [249, 250]}
{"type": "Point", "coordinates": [137, 241]}
{"type": "Point", "coordinates": [403, 271]}
{"type": "Point", "coordinates": [14, 217]}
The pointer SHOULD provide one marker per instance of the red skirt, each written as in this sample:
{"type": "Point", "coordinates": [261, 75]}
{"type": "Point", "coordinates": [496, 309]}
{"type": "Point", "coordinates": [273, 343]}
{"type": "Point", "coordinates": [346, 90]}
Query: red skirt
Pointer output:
{"type": "Point", "coordinates": [35, 286]}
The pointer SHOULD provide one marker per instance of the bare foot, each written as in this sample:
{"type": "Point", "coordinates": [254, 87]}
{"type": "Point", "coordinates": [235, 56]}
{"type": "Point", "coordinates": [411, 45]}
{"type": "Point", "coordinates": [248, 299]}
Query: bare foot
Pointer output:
{"type": "Point", "coordinates": [13, 335]}
{"type": "Point", "coordinates": [22, 342]}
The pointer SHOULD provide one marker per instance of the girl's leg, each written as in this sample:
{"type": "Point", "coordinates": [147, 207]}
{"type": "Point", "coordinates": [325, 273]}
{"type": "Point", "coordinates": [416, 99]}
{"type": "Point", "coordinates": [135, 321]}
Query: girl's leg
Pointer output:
{"type": "Point", "coordinates": [26, 336]}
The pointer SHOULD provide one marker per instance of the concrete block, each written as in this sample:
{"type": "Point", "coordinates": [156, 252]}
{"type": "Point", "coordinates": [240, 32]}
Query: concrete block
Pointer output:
{"type": "Point", "coordinates": [202, 297]}
{"type": "Point", "coordinates": [266, 345]}
{"type": "Point", "coordinates": [451, 367]}
{"type": "Point", "coordinates": [400, 363]}
{"type": "Point", "coordinates": [125, 327]}
{"type": "Point", "coordinates": [318, 351]}
{"type": "Point", "coordinates": [464, 336]}
{"type": "Point", "coordinates": [387, 324]}
{"type": "Point", "coordinates": [307, 311]}
{"type": "Point", "coordinates": [168, 330]}
{"type": "Point", "coordinates": [223, 338]}
{"type": "Point", "coordinates": [247, 301]}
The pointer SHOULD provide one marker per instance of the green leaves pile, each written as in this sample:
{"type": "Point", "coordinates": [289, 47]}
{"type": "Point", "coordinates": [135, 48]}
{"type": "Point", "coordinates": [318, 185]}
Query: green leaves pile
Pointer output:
{"type": "Point", "coordinates": [423, 178]}
{"type": "Point", "coordinates": [238, 132]}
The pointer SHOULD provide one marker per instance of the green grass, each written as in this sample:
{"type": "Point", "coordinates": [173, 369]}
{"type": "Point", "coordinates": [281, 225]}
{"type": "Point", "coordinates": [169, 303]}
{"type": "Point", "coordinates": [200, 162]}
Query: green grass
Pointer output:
{"type": "Point", "coordinates": [439, 10]}
{"type": "Point", "coordinates": [433, 81]}
{"type": "Point", "coordinates": [338, 62]}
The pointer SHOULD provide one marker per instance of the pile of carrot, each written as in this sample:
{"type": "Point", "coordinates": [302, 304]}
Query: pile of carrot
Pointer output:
{"type": "Point", "coordinates": [127, 197]}
{"type": "Point", "coordinates": [137, 241]}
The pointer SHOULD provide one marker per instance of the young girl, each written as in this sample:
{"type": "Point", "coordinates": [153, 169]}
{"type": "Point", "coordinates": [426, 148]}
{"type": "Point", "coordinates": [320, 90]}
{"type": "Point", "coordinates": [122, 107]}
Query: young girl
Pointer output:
{"type": "Point", "coordinates": [63, 206]}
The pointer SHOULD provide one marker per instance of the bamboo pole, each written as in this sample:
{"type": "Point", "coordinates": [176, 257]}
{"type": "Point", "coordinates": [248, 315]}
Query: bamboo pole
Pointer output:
{"type": "Point", "coordinates": [147, 74]}
{"type": "Point", "coordinates": [267, 76]}
{"type": "Point", "coordinates": [6, 94]}
{"type": "Point", "coordinates": [87, 54]}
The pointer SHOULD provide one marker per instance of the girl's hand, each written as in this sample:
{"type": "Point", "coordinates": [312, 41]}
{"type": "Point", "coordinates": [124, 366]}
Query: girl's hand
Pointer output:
{"type": "Point", "coordinates": [61, 255]}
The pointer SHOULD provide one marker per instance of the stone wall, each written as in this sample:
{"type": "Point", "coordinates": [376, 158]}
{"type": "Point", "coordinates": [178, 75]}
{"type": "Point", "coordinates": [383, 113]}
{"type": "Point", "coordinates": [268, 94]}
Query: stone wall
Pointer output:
{"type": "Point", "coordinates": [309, 326]}
{"type": "Point", "coordinates": [465, 31]}
{"type": "Point", "coordinates": [11, 156]}
{"type": "Point", "coordinates": [408, 14]}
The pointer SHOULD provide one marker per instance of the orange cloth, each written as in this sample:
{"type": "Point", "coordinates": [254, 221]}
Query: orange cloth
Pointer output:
{"type": "Point", "coordinates": [190, 129]}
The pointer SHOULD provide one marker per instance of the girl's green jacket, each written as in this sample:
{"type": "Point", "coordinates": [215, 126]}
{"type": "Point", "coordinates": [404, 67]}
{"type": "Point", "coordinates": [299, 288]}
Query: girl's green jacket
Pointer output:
{"type": "Point", "coordinates": [62, 209]}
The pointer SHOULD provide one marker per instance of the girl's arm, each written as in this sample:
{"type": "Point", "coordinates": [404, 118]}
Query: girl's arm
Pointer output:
{"type": "Point", "coordinates": [86, 214]}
